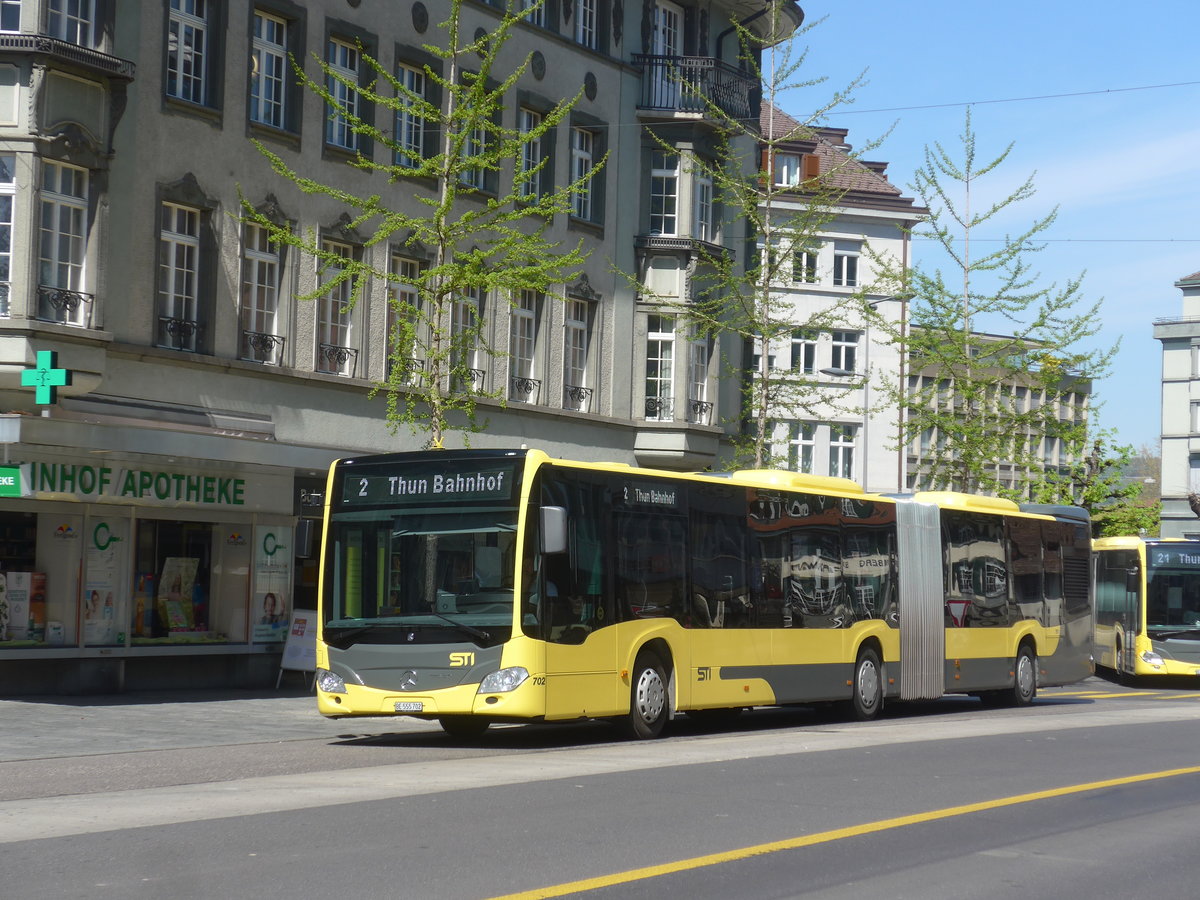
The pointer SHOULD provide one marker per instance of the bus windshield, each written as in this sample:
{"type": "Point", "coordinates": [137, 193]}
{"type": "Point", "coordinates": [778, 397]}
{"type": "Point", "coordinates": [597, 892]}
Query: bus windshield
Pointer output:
{"type": "Point", "coordinates": [1173, 590]}
{"type": "Point", "coordinates": [421, 576]}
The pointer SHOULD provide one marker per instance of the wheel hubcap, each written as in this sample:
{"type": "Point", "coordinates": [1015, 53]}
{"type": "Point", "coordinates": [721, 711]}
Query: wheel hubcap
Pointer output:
{"type": "Point", "coordinates": [651, 695]}
{"type": "Point", "coordinates": [868, 684]}
{"type": "Point", "coordinates": [1025, 675]}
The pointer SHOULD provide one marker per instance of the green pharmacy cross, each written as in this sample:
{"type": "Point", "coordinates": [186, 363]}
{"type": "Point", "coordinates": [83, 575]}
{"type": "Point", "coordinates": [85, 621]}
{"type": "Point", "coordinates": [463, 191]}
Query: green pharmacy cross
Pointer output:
{"type": "Point", "coordinates": [46, 377]}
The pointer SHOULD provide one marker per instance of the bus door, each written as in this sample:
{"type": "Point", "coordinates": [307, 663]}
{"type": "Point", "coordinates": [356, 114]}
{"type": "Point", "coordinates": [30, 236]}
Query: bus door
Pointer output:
{"type": "Point", "coordinates": [577, 622]}
{"type": "Point", "coordinates": [1131, 616]}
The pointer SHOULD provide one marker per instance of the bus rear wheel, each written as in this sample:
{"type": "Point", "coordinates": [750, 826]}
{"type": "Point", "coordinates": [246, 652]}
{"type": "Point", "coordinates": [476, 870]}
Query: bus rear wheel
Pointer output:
{"type": "Point", "coordinates": [463, 727]}
{"type": "Point", "coordinates": [867, 698]}
{"type": "Point", "coordinates": [647, 698]}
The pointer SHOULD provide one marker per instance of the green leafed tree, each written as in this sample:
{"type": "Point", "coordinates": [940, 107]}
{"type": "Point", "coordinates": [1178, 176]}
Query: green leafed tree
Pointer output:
{"type": "Point", "coordinates": [455, 188]}
{"type": "Point", "coordinates": [990, 409]}
{"type": "Point", "coordinates": [780, 209]}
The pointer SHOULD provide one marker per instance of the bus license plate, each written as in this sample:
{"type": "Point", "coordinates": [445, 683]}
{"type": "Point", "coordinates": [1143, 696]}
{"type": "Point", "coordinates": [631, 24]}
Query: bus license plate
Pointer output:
{"type": "Point", "coordinates": [409, 706]}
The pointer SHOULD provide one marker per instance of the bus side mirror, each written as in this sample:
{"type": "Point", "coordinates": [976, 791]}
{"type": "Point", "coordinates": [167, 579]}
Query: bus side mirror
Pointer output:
{"type": "Point", "coordinates": [554, 529]}
{"type": "Point", "coordinates": [1133, 583]}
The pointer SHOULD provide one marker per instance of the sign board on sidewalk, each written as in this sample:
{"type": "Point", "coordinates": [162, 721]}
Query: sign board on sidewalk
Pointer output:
{"type": "Point", "coordinates": [300, 645]}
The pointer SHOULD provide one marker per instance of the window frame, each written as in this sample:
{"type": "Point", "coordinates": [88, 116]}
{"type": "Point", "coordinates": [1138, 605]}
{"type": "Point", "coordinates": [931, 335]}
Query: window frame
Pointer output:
{"type": "Point", "coordinates": [179, 259]}
{"type": "Point", "coordinates": [335, 327]}
{"type": "Point", "coordinates": [77, 205]}
{"type": "Point", "coordinates": [659, 380]}
{"type": "Point", "coordinates": [664, 192]}
{"type": "Point", "coordinates": [256, 316]}
{"type": "Point", "coordinates": [843, 349]}
{"type": "Point", "coordinates": [843, 439]}
{"type": "Point", "coordinates": [577, 340]}
{"type": "Point", "coordinates": [344, 58]}
{"type": "Point", "coordinates": [522, 346]}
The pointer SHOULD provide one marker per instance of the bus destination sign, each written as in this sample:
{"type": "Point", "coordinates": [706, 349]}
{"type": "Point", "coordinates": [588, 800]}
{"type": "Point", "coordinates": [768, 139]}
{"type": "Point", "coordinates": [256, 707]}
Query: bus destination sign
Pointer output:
{"type": "Point", "coordinates": [426, 484]}
{"type": "Point", "coordinates": [1181, 555]}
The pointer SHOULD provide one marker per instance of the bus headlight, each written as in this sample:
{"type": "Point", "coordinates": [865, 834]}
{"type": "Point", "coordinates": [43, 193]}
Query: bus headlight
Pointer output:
{"type": "Point", "coordinates": [330, 683]}
{"type": "Point", "coordinates": [504, 680]}
{"type": "Point", "coordinates": [1151, 658]}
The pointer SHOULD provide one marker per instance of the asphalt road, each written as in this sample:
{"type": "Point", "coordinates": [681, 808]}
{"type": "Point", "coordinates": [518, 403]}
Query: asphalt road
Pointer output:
{"type": "Point", "coordinates": [931, 801]}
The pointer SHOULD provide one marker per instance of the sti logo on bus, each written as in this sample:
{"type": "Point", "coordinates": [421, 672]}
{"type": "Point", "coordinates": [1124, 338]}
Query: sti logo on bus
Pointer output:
{"type": "Point", "coordinates": [462, 660]}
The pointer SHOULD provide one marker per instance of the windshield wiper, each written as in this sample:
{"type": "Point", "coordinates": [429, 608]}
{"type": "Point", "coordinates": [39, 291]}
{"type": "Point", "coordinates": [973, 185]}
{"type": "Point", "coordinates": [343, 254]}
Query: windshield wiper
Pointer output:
{"type": "Point", "coordinates": [1172, 632]}
{"type": "Point", "coordinates": [344, 637]}
{"type": "Point", "coordinates": [474, 632]}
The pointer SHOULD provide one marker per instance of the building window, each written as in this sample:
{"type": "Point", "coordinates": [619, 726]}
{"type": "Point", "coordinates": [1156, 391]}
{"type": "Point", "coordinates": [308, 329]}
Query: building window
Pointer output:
{"type": "Point", "coordinates": [410, 126]}
{"type": "Point", "coordinates": [582, 147]}
{"type": "Point", "coordinates": [522, 383]}
{"type": "Point", "coordinates": [845, 263]}
{"type": "Point", "coordinates": [801, 443]}
{"type": "Point", "coordinates": [535, 13]}
{"type": "Point", "coordinates": [404, 308]}
{"type": "Point", "coordinates": [343, 61]}
{"type": "Point", "coordinates": [260, 296]}
{"type": "Point", "coordinates": [660, 363]}
{"type": "Point", "coordinates": [187, 50]}
{"type": "Point", "coordinates": [73, 21]}
{"type": "Point", "coordinates": [787, 169]}
{"type": "Point", "coordinates": [334, 316]}
{"type": "Point", "coordinates": [804, 265]}
{"type": "Point", "coordinates": [706, 223]}
{"type": "Point", "coordinates": [10, 15]}
{"type": "Point", "coordinates": [585, 23]}
{"type": "Point", "coordinates": [576, 393]}
{"type": "Point", "coordinates": [8, 189]}
{"type": "Point", "coordinates": [268, 71]}
{"type": "Point", "coordinates": [530, 178]}
{"type": "Point", "coordinates": [664, 192]}
{"type": "Point", "coordinates": [178, 277]}
{"type": "Point", "coordinates": [844, 351]}
{"type": "Point", "coordinates": [841, 450]}
{"type": "Point", "coordinates": [464, 340]}
{"type": "Point", "coordinates": [804, 351]}
{"type": "Point", "coordinates": [63, 238]}
{"type": "Point", "coordinates": [473, 147]}
{"type": "Point", "coordinates": [699, 406]}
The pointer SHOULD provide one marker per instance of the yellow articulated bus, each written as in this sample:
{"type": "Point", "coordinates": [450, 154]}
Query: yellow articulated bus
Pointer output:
{"type": "Point", "coordinates": [476, 587]}
{"type": "Point", "coordinates": [1148, 606]}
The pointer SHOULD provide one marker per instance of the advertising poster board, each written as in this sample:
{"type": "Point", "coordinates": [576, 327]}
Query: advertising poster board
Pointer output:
{"type": "Point", "coordinates": [300, 647]}
{"type": "Point", "coordinates": [272, 583]}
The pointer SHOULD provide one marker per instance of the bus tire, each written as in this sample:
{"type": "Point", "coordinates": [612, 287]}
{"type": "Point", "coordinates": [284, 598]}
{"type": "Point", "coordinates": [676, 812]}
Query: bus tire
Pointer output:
{"type": "Point", "coordinates": [1024, 687]}
{"type": "Point", "coordinates": [464, 727]}
{"type": "Point", "coordinates": [647, 698]}
{"type": "Point", "coordinates": [867, 698]}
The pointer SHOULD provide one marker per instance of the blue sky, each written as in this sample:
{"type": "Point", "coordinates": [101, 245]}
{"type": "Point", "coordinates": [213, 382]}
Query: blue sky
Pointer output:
{"type": "Point", "coordinates": [1122, 166]}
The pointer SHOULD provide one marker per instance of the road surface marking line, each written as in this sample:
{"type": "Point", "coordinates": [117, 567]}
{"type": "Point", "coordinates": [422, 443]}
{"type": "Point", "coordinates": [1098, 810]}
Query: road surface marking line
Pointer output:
{"type": "Point", "coordinates": [837, 834]}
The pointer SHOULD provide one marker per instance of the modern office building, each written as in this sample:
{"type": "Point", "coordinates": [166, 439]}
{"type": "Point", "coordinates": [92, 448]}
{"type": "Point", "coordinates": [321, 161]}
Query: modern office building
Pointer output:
{"type": "Point", "coordinates": [1180, 476]}
{"type": "Point", "coordinates": [169, 407]}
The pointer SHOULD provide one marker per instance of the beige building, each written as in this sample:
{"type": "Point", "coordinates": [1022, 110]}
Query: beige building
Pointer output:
{"type": "Point", "coordinates": [163, 504]}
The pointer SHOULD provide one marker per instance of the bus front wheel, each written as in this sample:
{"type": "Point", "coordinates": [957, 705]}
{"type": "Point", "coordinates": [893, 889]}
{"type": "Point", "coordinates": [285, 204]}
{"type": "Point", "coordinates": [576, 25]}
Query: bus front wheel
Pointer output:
{"type": "Point", "coordinates": [647, 698]}
{"type": "Point", "coordinates": [867, 699]}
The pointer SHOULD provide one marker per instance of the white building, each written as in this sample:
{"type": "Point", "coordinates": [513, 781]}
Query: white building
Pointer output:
{"type": "Point", "coordinates": [1180, 476]}
{"type": "Point", "coordinates": [856, 436]}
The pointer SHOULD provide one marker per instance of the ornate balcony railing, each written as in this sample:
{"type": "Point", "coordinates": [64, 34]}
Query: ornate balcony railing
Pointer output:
{"type": "Point", "coordinates": [179, 334]}
{"type": "Point", "coordinates": [335, 360]}
{"type": "Point", "coordinates": [700, 411]}
{"type": "Point", "coordinates": [577, 397]}
{"type": "Point", "coordinates": [65, 50]}
{"type": "Point", "coordinates": [523, 390]}
{"type": "Point", "coordinates": [259, 346]}
{"type": "Point", "coordinates": [468, 379]}
{"type": "Point", "coordinates": [410, 368]}
{"type": "Point", "coordinates": [64, 307]}
{"type": "Point", "coordinates": [695, 84]}
{"type": "Point", "coordinates": [660, 409]}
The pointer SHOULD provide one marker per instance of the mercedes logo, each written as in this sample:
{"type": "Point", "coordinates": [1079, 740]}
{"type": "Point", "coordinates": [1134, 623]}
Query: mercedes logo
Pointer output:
{"type": "Point", "coordinates": [408, 680]}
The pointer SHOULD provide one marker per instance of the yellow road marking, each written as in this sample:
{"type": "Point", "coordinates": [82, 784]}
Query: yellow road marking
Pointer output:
{"type": "Point", "coordinates": [837, 834]}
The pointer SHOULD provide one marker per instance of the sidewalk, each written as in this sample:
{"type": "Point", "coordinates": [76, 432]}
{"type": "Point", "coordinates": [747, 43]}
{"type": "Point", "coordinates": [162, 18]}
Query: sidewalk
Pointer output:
{"type": "Point", "coordinates": [59, 726]}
